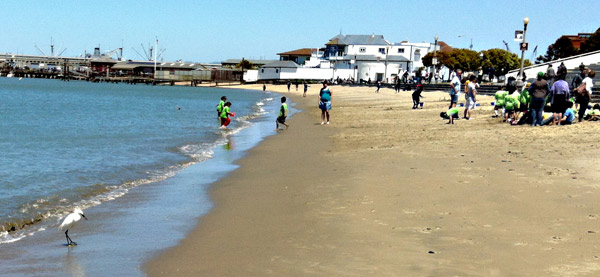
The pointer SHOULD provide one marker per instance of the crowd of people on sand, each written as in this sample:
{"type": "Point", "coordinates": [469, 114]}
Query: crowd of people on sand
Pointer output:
{"type": "Point", "coordinates": [550, 99]}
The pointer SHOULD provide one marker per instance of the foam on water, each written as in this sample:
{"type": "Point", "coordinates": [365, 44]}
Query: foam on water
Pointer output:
{"type": "Point", "coordinates": [48, 211]}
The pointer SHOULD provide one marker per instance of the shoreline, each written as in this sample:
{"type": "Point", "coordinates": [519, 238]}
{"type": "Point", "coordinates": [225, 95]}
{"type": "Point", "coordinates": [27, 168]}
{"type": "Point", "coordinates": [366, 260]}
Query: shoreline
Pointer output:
{"type": "Point", "coordinates": [387, 190]}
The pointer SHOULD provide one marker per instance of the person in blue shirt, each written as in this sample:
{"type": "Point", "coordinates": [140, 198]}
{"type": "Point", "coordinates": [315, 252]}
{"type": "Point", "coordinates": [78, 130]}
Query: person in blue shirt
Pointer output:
{"type": "Point", "coordinates": [568, 116]}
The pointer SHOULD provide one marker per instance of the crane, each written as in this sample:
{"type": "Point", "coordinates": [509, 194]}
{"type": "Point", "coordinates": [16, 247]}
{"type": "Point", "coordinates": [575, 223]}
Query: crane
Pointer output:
{"type": "Point", "coordinates": [533, 55]}
{"type": "Point", "coordinates": [118, 51]}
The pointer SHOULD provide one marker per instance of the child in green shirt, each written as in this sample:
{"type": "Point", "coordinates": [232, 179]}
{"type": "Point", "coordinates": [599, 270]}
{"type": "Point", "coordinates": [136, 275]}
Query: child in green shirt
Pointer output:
{"type": "Point", "coordinates": [220, 106]}
{"type": "Point", "coordinates": [282, 114]}
{"type": "Point", "coordinates": [225, 113]}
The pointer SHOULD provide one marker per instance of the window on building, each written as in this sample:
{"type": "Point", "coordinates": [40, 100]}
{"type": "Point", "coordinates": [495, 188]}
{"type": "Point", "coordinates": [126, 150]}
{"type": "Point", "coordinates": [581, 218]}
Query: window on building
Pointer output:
{"type": "Point", "coordinates": [400, 50]}
{"type": "Point", "coordinates": [262, 70]}
{"type": "Point", "coordinates": [362, 50]}
{"type": "Point", "coordinates": [276, 70]}
{"type": "Point", "coordinates": [382, 50]}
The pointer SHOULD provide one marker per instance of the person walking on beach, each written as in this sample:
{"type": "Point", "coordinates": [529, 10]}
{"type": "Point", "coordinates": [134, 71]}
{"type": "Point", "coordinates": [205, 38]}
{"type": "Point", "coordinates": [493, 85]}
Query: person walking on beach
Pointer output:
{"type": "Point", "coordinates": [305, 89]}
{"type": "Point", "coordinates": [264, 88]}
{"type": "Point", "coordinates": [325, 102]}
{"type": "Point", "coordinates": [220, 106]}
{"type": "Point", "coordinates": [296, 85]}
{"type": "Point", "coordinates": [378, 86]}
{"type": "Point", "coordinates": [289, 84]}
{"type": "Point", "coordinates": [225, 120]}
{"type": "Point", "coordinates": [455, 89]}
{"type": "Point", "coordinates": [282, 114]}
{"type": "Point", "coordinates": [539, 90]}
{"type": "Point", "coordinates": [416, 96]}
{"type": "Point", "coordinates": [471, 93]}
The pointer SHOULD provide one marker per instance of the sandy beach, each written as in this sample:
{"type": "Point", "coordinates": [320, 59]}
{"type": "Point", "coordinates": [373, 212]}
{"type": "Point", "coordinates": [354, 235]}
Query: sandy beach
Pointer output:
{"type": "Point", "coordinates": [385, 190]}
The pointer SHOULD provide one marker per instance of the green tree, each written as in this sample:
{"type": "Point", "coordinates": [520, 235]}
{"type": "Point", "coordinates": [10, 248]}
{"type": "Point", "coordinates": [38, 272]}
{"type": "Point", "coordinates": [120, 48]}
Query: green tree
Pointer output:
{"type": "Point", "coordinates": [592, 43]}
{"type": "Point", "coordinates": [502, 60]}
{"type": "Point", "coordinates": [245, 64]}
{"type": "Point", "coordinates": [464, 59]}
{"type": "Point", "coordinates": [561, 48]}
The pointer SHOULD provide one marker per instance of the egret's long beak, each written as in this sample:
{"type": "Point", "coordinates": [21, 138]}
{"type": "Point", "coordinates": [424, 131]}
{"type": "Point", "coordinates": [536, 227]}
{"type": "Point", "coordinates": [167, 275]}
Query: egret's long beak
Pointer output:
{"type": "Point", "coordinates": [83, 216]}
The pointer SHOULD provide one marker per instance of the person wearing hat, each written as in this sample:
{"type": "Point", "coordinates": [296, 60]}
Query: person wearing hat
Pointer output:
{"type": "Point", "coordinates": [538, 92]}
{"type": "Point", "coordinates": [416, 96]}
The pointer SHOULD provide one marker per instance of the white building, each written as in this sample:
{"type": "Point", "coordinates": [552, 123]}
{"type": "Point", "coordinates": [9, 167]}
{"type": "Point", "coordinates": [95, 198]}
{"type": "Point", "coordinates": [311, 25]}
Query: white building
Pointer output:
{"type": "Point", "coordinates": [357, 57]}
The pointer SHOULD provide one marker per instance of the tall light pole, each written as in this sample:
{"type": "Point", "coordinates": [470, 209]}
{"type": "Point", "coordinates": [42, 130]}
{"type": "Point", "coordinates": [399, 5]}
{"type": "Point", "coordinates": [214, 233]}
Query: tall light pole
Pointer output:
{"type": "Point", "coordinates": [520, 76]}
{"type": "Point", "coordinates": [387, 49]}
{"type": "Point", "coordinates": [434, 61]}
{"type": "Point", "coordinates": [471, 45]}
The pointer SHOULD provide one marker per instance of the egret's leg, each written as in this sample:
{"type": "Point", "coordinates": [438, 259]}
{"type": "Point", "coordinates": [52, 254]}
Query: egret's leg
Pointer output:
{"type": "Point", "coordinates": [68, 238]}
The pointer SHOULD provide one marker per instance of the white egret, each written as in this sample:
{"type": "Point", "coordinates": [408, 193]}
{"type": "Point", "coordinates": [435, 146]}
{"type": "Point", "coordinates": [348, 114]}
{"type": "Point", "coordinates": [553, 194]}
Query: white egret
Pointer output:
{"type": "Point", "coordinates": [70, 222]}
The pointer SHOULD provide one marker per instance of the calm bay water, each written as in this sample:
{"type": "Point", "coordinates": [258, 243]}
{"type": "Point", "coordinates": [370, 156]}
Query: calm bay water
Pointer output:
{"type": "Point", "coordinates": [68, 144]}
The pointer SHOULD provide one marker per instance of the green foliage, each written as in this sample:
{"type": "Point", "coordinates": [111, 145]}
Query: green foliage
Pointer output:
{"type": "Point", "coordinates": [245, 64]}
{"type": "Point", "coordinates": [592, 43]}
{"type": "Point", "coordinates": [502, 60]}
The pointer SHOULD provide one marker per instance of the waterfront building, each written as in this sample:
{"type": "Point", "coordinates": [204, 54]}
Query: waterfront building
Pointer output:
{"type": "Point", "coordinates": [350, 57]}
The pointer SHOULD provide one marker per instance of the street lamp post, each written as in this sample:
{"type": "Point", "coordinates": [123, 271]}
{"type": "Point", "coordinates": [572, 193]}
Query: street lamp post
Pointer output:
{"type": "Point", "coordinates": [387, 49]}
{"type": "Point", "coordinates": [434, 61]}
{"type": "Point", "coordinates": [471, 45]}
{"type": "Point", "coordinates": [520, 76]}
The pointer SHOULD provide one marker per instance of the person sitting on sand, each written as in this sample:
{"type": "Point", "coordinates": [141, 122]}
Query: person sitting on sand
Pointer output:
{"type": "Point", "coordinates": [451, 114]}
{"type": "Point", "coordinates": [567, 118]}
{"type": "Point", "coordinates": [593, 114]}
{"type": "Point", "coordinates": [220, 106]}
{"type": "Point", "coordinates": [416, 96]}
{"type": "Point", "coordinates": [225, 120]}
{"type": "Point", "coordinates": [282, 114]}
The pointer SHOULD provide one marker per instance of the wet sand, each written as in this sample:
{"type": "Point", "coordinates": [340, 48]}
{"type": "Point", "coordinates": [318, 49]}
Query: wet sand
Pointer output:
{"type": "Point", "coordinates": [390, 191]}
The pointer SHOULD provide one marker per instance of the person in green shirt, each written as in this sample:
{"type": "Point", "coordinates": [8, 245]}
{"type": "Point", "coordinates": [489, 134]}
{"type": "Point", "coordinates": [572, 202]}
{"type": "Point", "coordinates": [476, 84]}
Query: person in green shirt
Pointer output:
{"type": "Point", "coordinates": [225, 113]}
{"type": "Point", "coordinates": [451, 114]}
{"type": "Point", "coordinates": [500, 96]}
{"type": "Point", "coordinates": [220, 106]}
{"type": "Point", "coordinates": [512, 106]}
{"type": "Point", "coordinates": [282, 114]}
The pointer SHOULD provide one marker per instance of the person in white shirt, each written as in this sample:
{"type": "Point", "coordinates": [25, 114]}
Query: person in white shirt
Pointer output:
{"type": "Point", "coordinates": [455, 89]}
{"type": "Point", "coordinates": [586, 95]}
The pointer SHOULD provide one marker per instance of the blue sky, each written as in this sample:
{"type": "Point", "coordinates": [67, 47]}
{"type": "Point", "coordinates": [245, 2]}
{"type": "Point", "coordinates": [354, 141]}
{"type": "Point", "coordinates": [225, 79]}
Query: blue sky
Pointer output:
{"type": "Point", "coordinates": [212, 31]}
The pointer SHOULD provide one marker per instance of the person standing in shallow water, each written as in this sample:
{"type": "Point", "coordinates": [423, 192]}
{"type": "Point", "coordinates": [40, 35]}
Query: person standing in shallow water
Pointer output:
{"type": "Point", "coordinates": [325, 102]}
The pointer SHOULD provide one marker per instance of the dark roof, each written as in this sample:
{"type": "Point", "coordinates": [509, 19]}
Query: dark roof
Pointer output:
{"type": "Point", "coordinates": [298, 52]}
{"type": "Point", "coordinates": [130, 65]}
{"type": "Point", "coordinates": [255, 62]}
{"type": "Point", "coordinates": [357, 40]}
{"type": "Point", "coordinates": [281, 64]}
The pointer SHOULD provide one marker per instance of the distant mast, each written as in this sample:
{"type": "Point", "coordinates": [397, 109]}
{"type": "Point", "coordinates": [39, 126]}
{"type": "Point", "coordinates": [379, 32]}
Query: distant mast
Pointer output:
{"type": "Point", "coordinates": [155, 57]}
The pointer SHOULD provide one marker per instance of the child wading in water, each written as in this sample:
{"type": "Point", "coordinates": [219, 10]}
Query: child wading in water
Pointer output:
{"type": "Point", "coordinates": [225, 115]}
{"type": "Point", "coordinates": [220, 106]}
{"type": "Point", "coordinates": [282, 114]}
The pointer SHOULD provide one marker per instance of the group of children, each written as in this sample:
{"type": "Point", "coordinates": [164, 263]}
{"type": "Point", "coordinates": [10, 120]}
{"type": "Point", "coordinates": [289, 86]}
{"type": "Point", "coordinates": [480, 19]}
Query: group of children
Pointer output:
{"type": "Point", "coordinates": [224, 112]}
{"type": "Point", "coordinates": [527, 105]}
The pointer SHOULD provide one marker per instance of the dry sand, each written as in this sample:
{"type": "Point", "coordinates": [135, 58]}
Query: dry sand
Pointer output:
{"type": "Point", "coordinates": [389, 191]}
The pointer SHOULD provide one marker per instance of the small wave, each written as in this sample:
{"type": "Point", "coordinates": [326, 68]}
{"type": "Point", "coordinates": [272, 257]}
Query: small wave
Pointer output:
{"type": "Point", "coordinates": [48, 212]}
